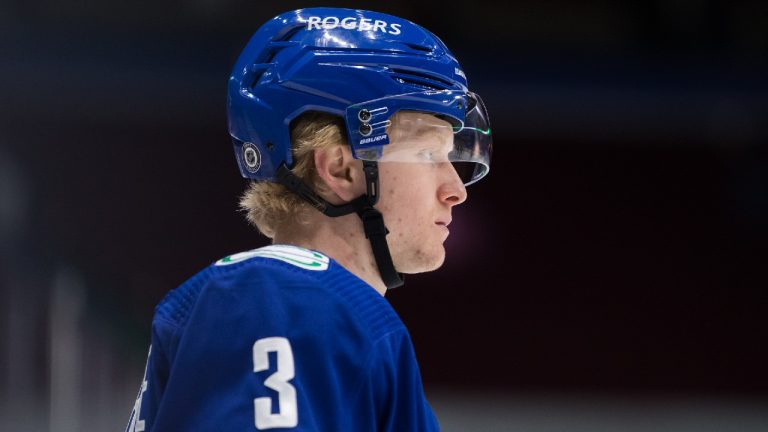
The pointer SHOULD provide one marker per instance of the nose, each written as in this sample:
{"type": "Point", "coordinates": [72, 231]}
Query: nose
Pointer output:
{"type": "Point", "coordinates": [452, 190]}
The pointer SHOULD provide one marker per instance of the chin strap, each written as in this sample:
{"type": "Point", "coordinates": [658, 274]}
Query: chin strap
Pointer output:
{"type": "Point", "coordinates": [373, 222]}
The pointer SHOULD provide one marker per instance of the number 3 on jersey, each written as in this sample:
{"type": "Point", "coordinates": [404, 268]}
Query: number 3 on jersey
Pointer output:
{"type": "Point", "coordinates": [287, 415]}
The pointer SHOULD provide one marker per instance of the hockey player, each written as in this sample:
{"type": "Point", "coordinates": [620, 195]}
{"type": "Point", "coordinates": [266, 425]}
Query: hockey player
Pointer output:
{"type": "Point", "coordinates": [360, 135]}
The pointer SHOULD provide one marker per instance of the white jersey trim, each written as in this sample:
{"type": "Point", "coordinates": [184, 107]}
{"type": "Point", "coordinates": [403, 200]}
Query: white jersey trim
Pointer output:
{"type": "Point", "coordinates": [298, 256]}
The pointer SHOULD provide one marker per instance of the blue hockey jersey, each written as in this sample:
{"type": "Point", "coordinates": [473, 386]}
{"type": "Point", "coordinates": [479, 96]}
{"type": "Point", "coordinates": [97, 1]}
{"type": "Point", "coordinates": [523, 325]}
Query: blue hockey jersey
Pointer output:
{"type": "Point", "coordinates": [279, 338]}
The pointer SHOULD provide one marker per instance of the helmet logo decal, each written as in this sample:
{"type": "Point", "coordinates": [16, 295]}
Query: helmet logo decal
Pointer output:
{"type": "Point", "coordinates": [251, 157]}
{"type": "Point", "coordinates": [373, 139]}
{"type": "Point", "coordinates": [352, 23]}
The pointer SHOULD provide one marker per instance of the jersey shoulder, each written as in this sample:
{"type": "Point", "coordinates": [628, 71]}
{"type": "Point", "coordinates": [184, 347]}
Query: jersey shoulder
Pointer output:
{"type": "Point", "coordinates": [252, 270]}
{"type": "Point", "coordinates": [279, 276]}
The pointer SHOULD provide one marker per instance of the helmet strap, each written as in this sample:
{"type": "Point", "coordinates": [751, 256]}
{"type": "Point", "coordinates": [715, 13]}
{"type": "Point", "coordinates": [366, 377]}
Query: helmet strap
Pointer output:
{"type": "Point", "coordinates": [373, 221]}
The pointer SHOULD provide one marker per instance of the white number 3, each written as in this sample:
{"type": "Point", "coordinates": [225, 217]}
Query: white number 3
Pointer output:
{"type": "Point", "coordinates": [287, 414]}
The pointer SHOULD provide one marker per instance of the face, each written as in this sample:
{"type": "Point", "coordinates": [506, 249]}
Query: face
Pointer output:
{"type": "Point", "coordinates": [419, 188]}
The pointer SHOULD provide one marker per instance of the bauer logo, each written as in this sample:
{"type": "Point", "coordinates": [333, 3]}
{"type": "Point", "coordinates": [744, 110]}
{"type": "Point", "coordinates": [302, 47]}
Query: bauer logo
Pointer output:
{"type": "Point", "coordinates": [372, 139]}
{"type": "Point", "coordinates": [352, 23]}
{"type": "Point", "coordinates": [460, 73]}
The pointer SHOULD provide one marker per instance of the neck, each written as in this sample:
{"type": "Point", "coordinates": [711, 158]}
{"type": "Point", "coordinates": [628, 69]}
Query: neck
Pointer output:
{"type": "Point", "coordinates": [341, 238]}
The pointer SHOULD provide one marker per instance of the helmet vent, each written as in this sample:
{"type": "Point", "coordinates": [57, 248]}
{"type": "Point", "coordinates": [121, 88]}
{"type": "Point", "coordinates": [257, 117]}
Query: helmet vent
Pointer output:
{"type": "Point", "coordinates": [258, 69]}
{"type": "Point", "coordinates": [419, 79]}
{"type": "Point", "coordinates": [418, 47]}
{"type": "Point", "coordinates": [288, 35]}
{"type": "Point", "coordinates": [269, 54]}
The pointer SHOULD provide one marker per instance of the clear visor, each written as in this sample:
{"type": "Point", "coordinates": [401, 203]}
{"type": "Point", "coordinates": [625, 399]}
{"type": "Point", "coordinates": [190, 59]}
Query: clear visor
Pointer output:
{"type": "Point", "coordinates": [453, 129]}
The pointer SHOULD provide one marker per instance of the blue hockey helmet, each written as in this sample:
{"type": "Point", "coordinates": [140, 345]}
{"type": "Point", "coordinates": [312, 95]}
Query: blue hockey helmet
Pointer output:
{"type": "Point", "coordinates": [362, 66]}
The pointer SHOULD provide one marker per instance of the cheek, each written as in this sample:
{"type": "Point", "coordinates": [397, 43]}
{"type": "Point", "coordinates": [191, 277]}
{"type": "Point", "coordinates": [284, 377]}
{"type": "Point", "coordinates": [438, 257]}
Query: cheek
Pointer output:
{"type": "Point", "coordinates": [405, 182]}
{"type": "Point", "coordinates": [402, 199]}
{"type": "Point", "coordinates": [407, 195]}
{"type": "Point", "coordinates": [406, 214]}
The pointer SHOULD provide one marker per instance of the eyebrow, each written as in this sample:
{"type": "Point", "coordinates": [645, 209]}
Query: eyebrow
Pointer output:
{"type": "Point", "coordinates": [418, 134]}
{"type": "Point", "coordinates": [426, 130]}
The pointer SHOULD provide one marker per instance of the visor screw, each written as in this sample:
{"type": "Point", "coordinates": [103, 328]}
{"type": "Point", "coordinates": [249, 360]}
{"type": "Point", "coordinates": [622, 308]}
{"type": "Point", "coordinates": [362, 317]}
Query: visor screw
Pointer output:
{"type": "Point", "coordinates": [364, 115]}
{"type": "Point", "coordinates": [365, 129]}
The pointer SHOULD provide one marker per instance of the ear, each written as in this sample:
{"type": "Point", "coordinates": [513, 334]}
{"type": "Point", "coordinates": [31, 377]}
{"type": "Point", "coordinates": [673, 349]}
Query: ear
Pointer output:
{"type": "Point", "coordinates": [342, 174]}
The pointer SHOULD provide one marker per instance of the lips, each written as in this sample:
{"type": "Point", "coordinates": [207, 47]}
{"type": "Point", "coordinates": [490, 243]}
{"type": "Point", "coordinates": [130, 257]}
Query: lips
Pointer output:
{"type": "Point", "coordinates": [443, 224]}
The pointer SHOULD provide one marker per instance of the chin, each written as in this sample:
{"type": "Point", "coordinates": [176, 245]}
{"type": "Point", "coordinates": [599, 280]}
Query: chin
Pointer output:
{"type": "Point", "coordinates": [420, 260]}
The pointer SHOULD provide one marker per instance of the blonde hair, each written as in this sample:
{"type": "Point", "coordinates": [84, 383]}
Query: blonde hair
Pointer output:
{"type": "Point", "coordinates": [270, 205]}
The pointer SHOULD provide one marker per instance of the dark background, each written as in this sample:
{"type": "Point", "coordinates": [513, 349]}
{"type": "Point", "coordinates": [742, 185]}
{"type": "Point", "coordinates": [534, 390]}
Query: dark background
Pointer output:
{"type": "Point", "coordinates": [618, 244]}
